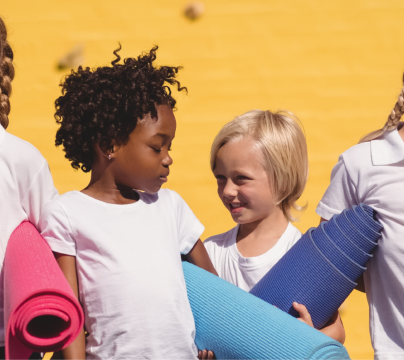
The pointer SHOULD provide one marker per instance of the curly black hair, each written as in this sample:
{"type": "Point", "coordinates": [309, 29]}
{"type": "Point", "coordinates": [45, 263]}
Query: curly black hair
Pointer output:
{"type": "Point", "coordinates": [105, 104]}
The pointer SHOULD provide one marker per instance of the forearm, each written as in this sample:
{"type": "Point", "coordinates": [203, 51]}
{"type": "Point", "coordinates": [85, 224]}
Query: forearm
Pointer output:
{"type": "Point", "coordinates": [77, 349]}
{"type": "Point", "coordinates": [199, 257]}
{"type": "Point", "coordinates": [334, 328]}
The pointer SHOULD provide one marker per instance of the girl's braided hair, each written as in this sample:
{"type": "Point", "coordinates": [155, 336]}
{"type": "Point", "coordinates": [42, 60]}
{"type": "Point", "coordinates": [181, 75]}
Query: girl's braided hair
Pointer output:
{"type": "Point", "coordinates": [104, 105]}
{"type": "Point", "coordinates": [6, 74]}
{"type": "Point", "coordinates": [392, 120]}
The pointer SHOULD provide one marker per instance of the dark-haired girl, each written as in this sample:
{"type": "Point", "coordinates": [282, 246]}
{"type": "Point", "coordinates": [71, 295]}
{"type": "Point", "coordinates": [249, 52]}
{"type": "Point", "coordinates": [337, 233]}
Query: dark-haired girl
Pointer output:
{"type": "Point", "coordinates": [119, 240]}
{"type": "Point", "coordinates": [26, 184]}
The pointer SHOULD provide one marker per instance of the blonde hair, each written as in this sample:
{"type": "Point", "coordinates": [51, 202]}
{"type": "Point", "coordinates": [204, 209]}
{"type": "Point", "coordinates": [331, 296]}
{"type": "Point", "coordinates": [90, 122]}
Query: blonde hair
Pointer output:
{"type": "Point", "coordinates": [281, 140]}
{"type": "Point", "coordinates": [392, 120]}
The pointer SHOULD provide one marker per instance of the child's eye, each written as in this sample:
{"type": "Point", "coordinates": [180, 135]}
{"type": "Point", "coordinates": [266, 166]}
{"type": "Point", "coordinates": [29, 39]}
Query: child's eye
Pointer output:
{"type": "Point", "coordinates": [220, 177]}
{"type": "Point", "coordinates": [156, 150]}
{"type": "Point", "coordinates": [241, 177]}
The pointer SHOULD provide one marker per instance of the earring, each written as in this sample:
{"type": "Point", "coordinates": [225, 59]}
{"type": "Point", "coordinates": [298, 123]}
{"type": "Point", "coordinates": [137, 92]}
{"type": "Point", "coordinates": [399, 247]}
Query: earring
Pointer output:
{"type": "Point", "coordinates": [109, 156]}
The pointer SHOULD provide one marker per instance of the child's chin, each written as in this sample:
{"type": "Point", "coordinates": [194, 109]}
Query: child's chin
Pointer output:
{"type": "Point", "coordinates": [152, 191]}
{"type": "Point", "coordinates": [239, 219]}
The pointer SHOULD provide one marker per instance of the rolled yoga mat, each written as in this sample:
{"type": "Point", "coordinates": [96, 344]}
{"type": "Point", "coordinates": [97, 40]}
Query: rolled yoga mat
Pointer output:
{"type": "Point", "coordinates": [237, 325]}
{"type": "Point", "coordinates": [321, 269]}
{"type": "Point", "coordinates": [41, 311]}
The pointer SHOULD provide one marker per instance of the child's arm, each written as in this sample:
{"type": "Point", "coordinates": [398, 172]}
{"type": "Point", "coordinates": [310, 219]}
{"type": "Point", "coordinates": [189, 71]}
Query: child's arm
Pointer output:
{"type": "Point", "coordinates": [334, 328]}
{"type": "Point", "coordinates": [77, 349]}
{"type": "Point", "coordinates": [199, 257]}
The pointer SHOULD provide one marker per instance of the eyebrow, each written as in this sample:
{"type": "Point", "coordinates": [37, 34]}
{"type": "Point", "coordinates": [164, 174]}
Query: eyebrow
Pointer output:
{"type": "Point", "coordinates": [164, 136]}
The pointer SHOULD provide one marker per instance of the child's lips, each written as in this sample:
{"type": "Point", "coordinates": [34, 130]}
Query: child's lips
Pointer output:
{"type": "Point", "coordinates": [236, 208]}
{"type": "Point", "coordinates": [163, 178]}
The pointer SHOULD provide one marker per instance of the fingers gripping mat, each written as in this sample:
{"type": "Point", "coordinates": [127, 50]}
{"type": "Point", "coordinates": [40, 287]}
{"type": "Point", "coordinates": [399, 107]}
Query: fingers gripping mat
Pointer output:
{"type": "Point", "coordinates": [41, 311]}
{"type": "Point", "coordinates": [321, 269]}
{"type": "Point", "coordinates": [236, 325]}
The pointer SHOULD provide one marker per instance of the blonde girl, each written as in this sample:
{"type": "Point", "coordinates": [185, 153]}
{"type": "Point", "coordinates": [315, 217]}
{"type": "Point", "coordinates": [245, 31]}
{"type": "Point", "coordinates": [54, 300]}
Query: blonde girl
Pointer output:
{"type": "Point", "coordinates": [372, 172]}
{"type": "Point", "coordinates": [260, 162]}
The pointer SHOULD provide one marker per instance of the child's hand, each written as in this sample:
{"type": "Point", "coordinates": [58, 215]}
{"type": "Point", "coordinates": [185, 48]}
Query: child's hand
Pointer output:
{"type": "Point", "coordinates": [205, 354]}
{"type": "Point", "coordinates": [334, 328]}
{"type": "Point", "coordinates": [303, 312]}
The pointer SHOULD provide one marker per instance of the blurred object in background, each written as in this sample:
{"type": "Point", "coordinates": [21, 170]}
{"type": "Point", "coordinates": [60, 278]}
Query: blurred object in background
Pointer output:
{"type": "Point", "coordinates": [194, 10]}
{"type": "Point", "coordinates": [73, 59]}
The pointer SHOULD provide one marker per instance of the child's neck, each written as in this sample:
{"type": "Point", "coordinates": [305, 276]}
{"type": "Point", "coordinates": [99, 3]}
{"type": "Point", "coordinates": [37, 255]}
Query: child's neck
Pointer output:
{"type": "Point", "coordinates": [256, 238]}
{"type": "Point", "coordinates": [103, 187]}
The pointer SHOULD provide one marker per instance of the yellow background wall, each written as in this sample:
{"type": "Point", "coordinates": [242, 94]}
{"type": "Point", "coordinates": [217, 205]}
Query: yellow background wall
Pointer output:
{"type": "Point", "coordinates": [336, 64]}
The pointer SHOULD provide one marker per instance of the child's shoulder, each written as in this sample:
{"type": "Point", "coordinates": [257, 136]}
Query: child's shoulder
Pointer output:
{"type": "Point", "coordinates": [21, 151]}
{"type": "Point", "coordinates": [356, 160]}
{"type": "Point", "coordinates": [163, 196]}
{"type": "Point", "coordinates": [220, 240]}
{"type": "Point", "coordinates": [62, 201]}
{"type": "Point", "coordinates": [358, 152]}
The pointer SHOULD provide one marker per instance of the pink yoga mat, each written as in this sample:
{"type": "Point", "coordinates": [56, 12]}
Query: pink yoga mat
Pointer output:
{"type": "Point", "coordinates": [41, 311]}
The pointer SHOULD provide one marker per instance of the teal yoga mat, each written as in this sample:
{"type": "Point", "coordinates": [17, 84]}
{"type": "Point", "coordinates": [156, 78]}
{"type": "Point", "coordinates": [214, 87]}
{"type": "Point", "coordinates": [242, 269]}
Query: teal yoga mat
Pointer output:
{"type": "Point", "coordinates": [237, 325]}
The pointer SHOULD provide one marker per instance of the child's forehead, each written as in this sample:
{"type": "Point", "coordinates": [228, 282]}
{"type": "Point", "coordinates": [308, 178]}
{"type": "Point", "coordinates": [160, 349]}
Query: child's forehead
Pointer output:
{"type": "Point", "coordinates": [243, 153]}
{"type": "Point", "coordinates": [161, 127]}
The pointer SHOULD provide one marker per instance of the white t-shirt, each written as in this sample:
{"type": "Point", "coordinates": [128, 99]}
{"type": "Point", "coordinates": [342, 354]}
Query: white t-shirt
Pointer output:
{"type": "Point", "coordinates": [131, 283]}
{"type": "Point", "coordinates": [241, 271]}
{"type": "Point", "coordinates": [373, 173]}
{"type": "Point", "coordinates": [26, 186]}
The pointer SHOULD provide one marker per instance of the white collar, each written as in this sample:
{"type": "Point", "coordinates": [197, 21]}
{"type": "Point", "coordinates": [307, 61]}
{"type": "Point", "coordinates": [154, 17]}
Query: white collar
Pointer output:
{"type": "Point", "coordinates": [2, 134]}
{"type": "Point", "coordinates": [389, 149]}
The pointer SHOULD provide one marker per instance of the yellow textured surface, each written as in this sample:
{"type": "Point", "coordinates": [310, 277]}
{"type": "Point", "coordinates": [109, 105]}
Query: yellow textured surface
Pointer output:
{"type": "Point", "coordinates": [337, 65]}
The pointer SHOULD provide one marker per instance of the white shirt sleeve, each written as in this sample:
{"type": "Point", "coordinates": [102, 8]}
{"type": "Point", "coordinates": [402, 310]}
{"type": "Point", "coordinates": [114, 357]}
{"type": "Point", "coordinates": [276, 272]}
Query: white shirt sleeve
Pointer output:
{"type": "Point", "coordinates": [56, 230]}
{"type": "Point", "coordinates": [341, 193]}
{"type": "Point", "coordinates": [40, 192]}
{"type": "Point", "coordinates": [189, 227]}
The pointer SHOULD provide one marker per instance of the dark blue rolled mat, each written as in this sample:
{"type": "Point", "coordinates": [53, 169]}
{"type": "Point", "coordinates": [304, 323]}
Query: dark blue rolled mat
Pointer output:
{"type": "Point", "coordinates": [335, 255]}
{"type": "Point", "coordinates": [368, 215]}
{"type": "Point", "coordinates": [319, 273]}
{"type": "Point", "coordinates": [358, 221]}
{"type": "Point", "coordinates": [354, 234]}
{"type": "Point", "coordinates": [305, 275]}
{"type": "Point", "coordinates": [237, 325]}
{"type": "Point", "coordinates": [344, 243]}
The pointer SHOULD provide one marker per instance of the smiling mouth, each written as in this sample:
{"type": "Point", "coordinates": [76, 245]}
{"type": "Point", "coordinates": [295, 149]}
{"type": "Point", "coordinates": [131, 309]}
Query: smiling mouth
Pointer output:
{"type": "Point", "coordinates": [236, 207]}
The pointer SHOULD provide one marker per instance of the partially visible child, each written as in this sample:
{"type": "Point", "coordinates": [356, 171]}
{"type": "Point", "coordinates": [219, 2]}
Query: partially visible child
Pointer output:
{"type": "Point", "coordinates": [260, 162]}
{"type": "Point", "coordinates": [372, 172]}
{"type": "Point", "coordinates": [26, 184]}
{"type": "Point", "coordinates": [119, 241]}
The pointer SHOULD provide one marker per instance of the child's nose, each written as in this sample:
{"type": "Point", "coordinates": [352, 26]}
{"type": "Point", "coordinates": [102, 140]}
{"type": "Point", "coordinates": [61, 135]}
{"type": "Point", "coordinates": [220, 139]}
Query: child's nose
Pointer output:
{"type": "Point", "coordinates": [167, 161]}
{"type": "Point", "coordinates": [230, 189]}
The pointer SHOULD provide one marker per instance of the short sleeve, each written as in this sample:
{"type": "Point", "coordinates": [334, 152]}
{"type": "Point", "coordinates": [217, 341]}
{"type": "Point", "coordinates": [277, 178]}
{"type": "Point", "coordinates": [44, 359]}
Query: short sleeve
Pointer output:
{"type": "Point", "coordinates": [341, 193]}
{"type": "Point", "coordinates": [56, 230]}
{"type": "Point", "coordinates": [189, 227]}
{"type": "Point", "coordinates": [40, 192]}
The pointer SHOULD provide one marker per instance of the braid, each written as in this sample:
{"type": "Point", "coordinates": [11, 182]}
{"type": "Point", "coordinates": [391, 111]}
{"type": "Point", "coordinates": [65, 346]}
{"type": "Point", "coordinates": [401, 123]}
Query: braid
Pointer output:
{"type": "Point", "coordinates": [396, 113]}
{"type": "Point", "coordinates": [392, 120]}
{"type": "Point", "coordinates": [6, 74]}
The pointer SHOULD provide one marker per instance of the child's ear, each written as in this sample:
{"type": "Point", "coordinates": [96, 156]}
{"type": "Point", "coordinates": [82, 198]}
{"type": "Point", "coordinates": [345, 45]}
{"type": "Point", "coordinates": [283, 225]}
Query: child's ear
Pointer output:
{"type": "Point", "coordinates": [109, 152]}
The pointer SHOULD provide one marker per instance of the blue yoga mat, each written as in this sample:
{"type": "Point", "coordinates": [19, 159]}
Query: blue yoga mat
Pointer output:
{"type": "Point", "coordinates": [237, 325]}
{"type": "Point", "coordinates": [346, 244]}
{"type": "Point", "coordinates": [335, 255]}
{"type": "Point", "coordinates": [320, 270]}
